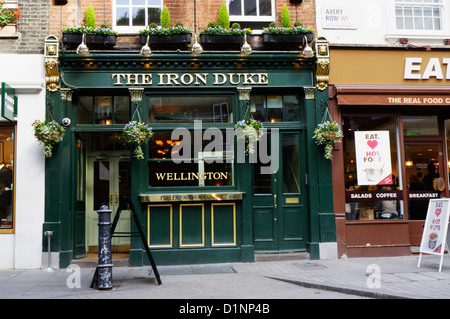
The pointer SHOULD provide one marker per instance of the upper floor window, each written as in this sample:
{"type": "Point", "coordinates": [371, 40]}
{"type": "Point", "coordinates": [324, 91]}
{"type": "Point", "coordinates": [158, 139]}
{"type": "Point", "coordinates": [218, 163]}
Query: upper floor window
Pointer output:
{"type": "Point", "coordinates": [418, 14]}
{"type": "Point", "coordinates": [251, 10]}
{"type": "Point", "coordinates": [134, 15]}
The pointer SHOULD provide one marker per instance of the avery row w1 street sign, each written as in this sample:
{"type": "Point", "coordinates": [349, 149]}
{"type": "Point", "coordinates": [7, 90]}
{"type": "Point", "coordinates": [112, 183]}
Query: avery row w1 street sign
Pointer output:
{"type": "Point", "coordinates": [435, 237]}
{"type": "Point", "coordinates": [8, 102]}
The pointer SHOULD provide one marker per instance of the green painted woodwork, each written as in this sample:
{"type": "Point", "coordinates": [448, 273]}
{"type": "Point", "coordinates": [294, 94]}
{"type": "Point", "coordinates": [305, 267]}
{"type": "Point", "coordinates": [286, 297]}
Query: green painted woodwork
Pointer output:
{"type": "Point", "coordinates": [224, 233]}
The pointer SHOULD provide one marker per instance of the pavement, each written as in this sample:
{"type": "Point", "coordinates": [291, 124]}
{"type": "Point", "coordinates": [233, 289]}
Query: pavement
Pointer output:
{"type": "Point", "coordinates": [358, 278]}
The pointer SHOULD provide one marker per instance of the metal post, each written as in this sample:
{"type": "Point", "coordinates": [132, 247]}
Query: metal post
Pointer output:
{"type": "Point", "coordinates": [49, 233]}
{"type": "Point", "coordinates": [104, 266]}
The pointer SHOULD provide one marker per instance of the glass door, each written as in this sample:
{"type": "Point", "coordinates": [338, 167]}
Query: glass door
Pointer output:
{"type": "Point", "coordinates": [108, 179]}
{"type": "Point", "coordinates": [279, 207]}
{"type": "Point", "coordinates": [424, 172]}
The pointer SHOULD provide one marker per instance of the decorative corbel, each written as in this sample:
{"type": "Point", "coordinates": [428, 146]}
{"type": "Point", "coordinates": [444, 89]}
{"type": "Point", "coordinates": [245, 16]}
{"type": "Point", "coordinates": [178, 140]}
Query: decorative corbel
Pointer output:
{"type": "Point", "coordinates": [323, 63]}
{"type": "Point", "coordinates": [51, 52]}
{"type": "Point", "coordinates": [66, 94]}
{"type": "Point", "coordinates": [244, 93]}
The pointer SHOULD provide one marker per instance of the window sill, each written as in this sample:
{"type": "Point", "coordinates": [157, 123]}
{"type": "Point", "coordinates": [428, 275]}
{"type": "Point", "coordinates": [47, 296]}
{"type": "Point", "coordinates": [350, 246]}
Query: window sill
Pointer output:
{"type": "Point", "coordinates": [9, 31]}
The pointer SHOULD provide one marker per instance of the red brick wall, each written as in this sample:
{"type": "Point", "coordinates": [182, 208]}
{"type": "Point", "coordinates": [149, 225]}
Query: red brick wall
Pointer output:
{"type": "Point", "coordinates": [180, 11]}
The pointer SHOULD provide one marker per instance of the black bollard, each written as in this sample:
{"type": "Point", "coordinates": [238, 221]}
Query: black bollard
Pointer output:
{"type": "Point", "coordinates": [104, 266]}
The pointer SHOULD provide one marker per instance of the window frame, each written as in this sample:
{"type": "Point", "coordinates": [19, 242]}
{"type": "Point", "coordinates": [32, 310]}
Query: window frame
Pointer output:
{"type": "Point", "coordinates": [130, 28]}
{"type": "Point", "coordinates": [393, 31]}
{"type": "Point", "coordinates": [257, 18]}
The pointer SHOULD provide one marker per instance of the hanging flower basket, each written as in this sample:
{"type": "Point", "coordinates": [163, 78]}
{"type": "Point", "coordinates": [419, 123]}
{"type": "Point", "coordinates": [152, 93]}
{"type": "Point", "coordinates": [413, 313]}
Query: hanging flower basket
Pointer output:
{"type": "Point", "coordinates": [327, 133]}
{"type": "Point", "coordinates": [251, 131]}
{"type": "Point", "coordinates": [137, 133]}
{"type": "Point", "coordinates": [48, 133]}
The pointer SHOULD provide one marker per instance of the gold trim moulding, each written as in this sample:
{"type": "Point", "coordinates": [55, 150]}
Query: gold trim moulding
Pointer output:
{"type": "Point", "coordinates": [190, 197]}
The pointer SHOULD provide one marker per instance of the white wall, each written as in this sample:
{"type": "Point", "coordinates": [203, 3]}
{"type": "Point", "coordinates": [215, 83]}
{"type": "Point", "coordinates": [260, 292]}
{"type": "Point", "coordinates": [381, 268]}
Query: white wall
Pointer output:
{"type": "Point", "coordinates": [23, 249]}
{"type": "Point", "coordinates": [368, 22]}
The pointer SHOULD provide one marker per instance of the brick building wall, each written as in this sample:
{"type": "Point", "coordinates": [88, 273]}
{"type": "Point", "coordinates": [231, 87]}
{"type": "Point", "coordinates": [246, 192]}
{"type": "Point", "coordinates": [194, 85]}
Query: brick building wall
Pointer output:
{"type": "Point", "coordinates": [32, 28]}
{"type": "Point", "coordinates": [180, 11]}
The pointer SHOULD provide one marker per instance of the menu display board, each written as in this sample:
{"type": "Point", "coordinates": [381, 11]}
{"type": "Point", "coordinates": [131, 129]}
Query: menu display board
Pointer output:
{"type": "Point", "coordinates": [434, 238]}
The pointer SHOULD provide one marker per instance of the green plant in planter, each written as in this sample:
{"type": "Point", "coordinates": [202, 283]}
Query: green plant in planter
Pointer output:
{"type": "Point", "coordinates": [90, 16]}
{"type": "Point", "coordinates": [89, 30]}
{"type": "Point", "coordinates": [165, 18]}
{"type": "Point", "coordinates": [224, 18]}
{"type": "Point", "coordinates": [285, 17]}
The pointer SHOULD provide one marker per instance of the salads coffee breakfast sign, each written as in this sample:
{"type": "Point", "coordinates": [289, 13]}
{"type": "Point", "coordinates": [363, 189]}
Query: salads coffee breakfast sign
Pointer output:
{"type": "Point", "coordinates": [434, 238]}
{"type": "Point", "coordinates": [373, 158]}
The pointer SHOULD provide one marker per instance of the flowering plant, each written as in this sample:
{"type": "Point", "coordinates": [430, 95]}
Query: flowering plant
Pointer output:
{"type": "Point", "coordinates": [137, 133]}
{"type": "Point", "coordinates": [293, 30]}
{"type": "Point", "coordinates": [48, 133]}
{"type": "Point", "coordinates": [327, 133]}
{"type": "Point", "coordinates": [164, 31]}
{"type": "Point", "coordinates": [8, 15]}
{"type": "Point", "coordinates": [251, 131]}
{"type": "Point", "coordinates": [88, 30]}
{"type": "Point", "coordinates": [220, 30]}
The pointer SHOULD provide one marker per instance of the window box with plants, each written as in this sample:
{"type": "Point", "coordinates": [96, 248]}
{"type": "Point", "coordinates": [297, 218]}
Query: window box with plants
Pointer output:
{"type": "Point", "coordinates": [103, 36]}
{"type": "Point", "coordinates": [286, 34]}
{"type": "Point", "coordinates": [173, 35]}
{"type": "Point", "coordinates": [215, 34]}
{"type": "Point", "coordinates": [8, 20]}
{"type": "Point", "coordinates": [221, 33]}
{"type": "Point", "coordinates": [100, 37]}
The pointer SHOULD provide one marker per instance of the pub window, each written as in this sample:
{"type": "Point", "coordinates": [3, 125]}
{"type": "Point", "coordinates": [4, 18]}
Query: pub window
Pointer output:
{"type": "Point", "coordinates": [251, 10]}
{"type": "Point", "coordinates": [187, 109]}
{"type": "Point", "coordinates": [275, 108]}
{"type": "Point", "coordinates": [177, 162]}
{"type": "Point", "coordinates": [103, 110]}
{"type": "Point", "coordinates": [134, 15]}
{"type": "Point", "coordinates": [6, 177]}
{"type": "Point", "coordinates": [372, 182]}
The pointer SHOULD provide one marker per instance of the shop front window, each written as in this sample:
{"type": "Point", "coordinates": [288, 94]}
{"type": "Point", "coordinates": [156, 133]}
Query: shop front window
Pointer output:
{"type": "Point", "coordinates": [177, 162]}
{"type": "Point", "coordinates": [187, 109]}
{"type": "Point", "coordinates": [371, 167]}
{"type": "Point", "coordinates": [103, 110]}
{"type": "Point", "coordinates": [6, 177]}
{"type": "Point", "coordinates": [275, 108]}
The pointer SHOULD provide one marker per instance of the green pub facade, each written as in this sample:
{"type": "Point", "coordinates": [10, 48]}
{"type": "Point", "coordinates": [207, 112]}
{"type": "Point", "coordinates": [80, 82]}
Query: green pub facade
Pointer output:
{"type": "Point", "coordinates": [199, 197]}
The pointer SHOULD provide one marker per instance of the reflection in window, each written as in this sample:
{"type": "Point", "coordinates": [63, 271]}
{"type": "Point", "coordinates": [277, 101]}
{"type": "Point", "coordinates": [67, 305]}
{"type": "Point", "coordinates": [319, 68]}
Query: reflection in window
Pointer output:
{"type": "Point", "coordinates": [367, 202]}
{"type": "Point", "coordinates": [187, 109]}
{"type": "Point", "coordinates": [6, 177]}
{"type": "Point", "coordinates": [103, 110]}
{"type": "Point", "coordinates": [275, 108]}
{"type": "Point", "coordinates": [420, 125]}
{"type": "Point", "coordinates": [195, 168]}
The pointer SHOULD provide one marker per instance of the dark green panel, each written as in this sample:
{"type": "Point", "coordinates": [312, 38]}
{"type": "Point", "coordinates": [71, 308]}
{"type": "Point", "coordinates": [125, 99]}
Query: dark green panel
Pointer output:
{"type": "Point", "coordinates": [293, 223]}
{"type": "Point", "coordinates": [224, 226]}
{"type": "Point", "coordinates": [160, 225]}
{"type": "Point", "coordinates": [192, 225]}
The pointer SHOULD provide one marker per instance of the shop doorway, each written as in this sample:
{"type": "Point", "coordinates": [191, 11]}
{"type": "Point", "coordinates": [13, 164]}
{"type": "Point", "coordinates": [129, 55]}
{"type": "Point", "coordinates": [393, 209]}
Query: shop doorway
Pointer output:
{"type": "Point", "coordinates": [279, 200]}
{"type": "Point", "coordinates": [424, 170]}
{"type": "Point", "coordinates": [108, 179]}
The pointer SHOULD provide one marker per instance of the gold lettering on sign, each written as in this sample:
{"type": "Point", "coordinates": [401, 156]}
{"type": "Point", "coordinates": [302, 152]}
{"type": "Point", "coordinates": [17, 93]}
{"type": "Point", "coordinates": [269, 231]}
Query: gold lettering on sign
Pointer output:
{"type": "Point", "coordinates": [187, 79]}
{"type": "Point", "coordinates": [191, 176]}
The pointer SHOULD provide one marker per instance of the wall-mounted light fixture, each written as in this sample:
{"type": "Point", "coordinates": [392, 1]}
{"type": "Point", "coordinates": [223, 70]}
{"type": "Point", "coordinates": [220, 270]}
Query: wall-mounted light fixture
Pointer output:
{"type": "Point", "coordinates": [145, 50]}
{"type": "Point", "coordinates": [246, 49]}
{"type": "Point", "coordinates": [82, 48]}
{"type": "Point", "coordinates": [307, 51]}
{"type": "Point", "coordinates": [196, 47]}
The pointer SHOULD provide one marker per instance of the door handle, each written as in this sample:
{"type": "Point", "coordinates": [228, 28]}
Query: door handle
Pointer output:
{"type": "Point", "coordinates": [116, 198]}
{"type": "Point", "coordinates": [275, 201]}
{"type": "Point", "coordinates": [111, 199]}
